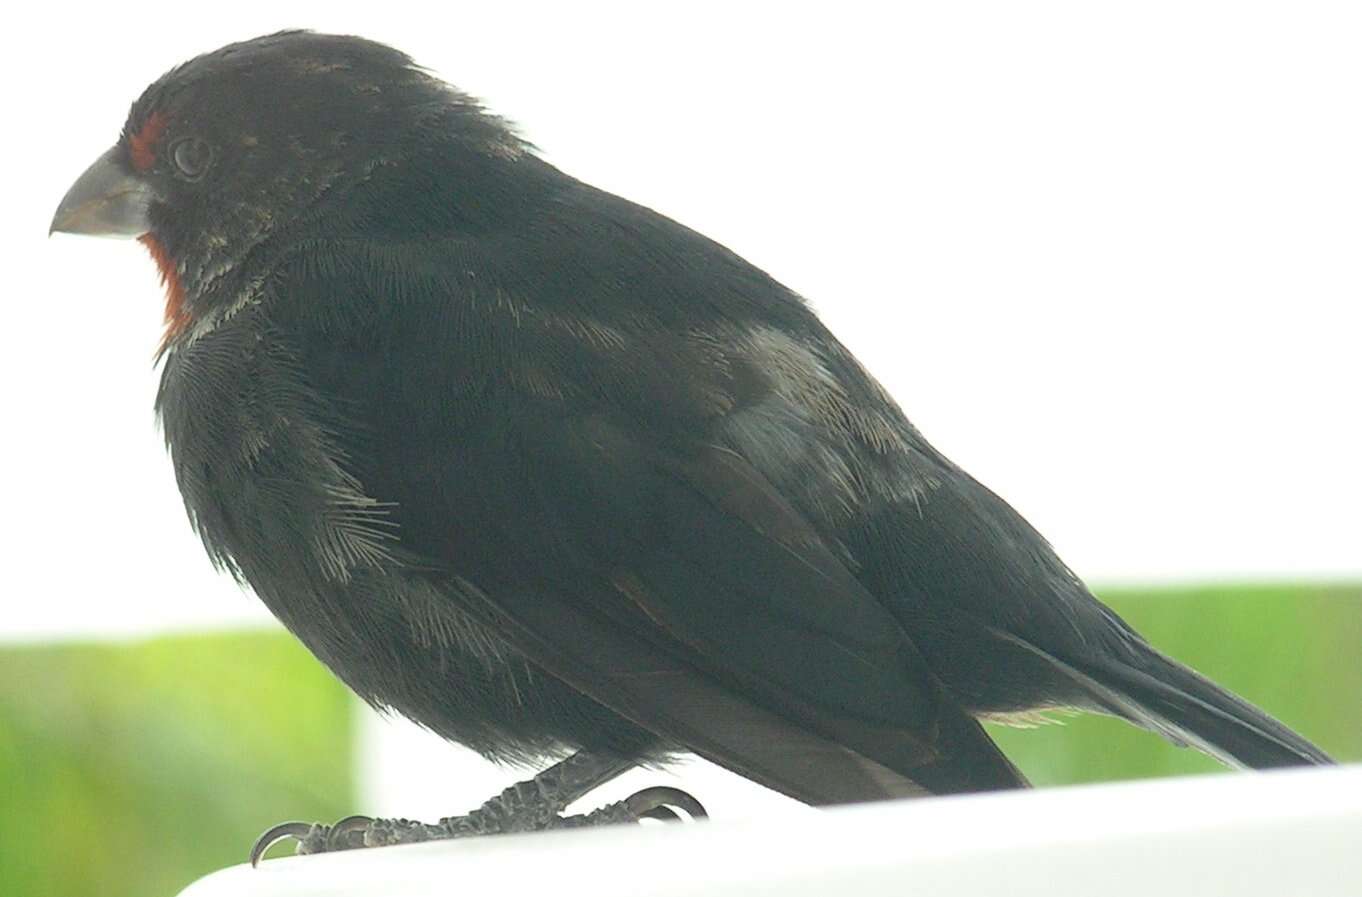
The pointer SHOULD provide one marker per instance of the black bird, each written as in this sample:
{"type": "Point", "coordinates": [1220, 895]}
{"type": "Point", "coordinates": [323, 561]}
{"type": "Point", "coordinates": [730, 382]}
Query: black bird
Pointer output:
{"type": "Point", "coordinates": [549, 472]}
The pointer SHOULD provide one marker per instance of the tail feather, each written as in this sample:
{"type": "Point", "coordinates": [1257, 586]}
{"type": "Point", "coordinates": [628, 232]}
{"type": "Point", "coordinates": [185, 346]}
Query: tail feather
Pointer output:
{"type": "Point", "coordinates": [1153, 691]}
{"type": "Point", "coordinates": [1187, 707]}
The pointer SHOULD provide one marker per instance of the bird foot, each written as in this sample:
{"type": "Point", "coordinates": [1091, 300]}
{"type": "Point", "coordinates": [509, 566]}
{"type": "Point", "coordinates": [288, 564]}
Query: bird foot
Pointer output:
{"type": "Point", "coordinates": [520, 808]}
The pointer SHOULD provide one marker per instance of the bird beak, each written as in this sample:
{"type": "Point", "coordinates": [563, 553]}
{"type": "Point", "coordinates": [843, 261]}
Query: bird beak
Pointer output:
{"type": "Point", "coordinates": [106, 201]}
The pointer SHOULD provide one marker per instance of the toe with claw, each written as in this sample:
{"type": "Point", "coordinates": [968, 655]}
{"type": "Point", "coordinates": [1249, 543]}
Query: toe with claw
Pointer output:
{"type": "Point", "coordinates": [314, 837]}
{"type": "Point", "coordinates": [531, 806]}
{"type": "Point", "coordinates": [353, 832]}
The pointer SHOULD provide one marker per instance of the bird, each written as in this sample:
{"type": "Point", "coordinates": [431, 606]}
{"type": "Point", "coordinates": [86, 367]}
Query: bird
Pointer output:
{"type": "Point", "coordinates": [567, 482]}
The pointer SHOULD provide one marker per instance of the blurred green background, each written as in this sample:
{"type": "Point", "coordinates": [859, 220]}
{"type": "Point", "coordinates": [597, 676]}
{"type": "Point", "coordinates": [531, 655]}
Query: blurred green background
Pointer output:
{"type": "Point", "coordinates": [134, 768]}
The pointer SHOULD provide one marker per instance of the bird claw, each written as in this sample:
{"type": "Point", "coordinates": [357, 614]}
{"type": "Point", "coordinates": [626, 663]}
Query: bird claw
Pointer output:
{"type": "Point", "coordinates": [346, 834]}
{"type": "Point", "coordinates": [313, 837]}
{"type": "Point", "coordinates": [273, 835]}
{"type": "Point", "coordinates": [658, 803]}
{"type": "Point", "coordinates": [352, 832]}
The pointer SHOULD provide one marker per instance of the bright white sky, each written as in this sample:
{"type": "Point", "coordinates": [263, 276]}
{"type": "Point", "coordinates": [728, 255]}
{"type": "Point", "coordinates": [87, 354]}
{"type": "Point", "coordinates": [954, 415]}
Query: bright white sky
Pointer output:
{"type": "Point", "coordinates": [1105, 255]}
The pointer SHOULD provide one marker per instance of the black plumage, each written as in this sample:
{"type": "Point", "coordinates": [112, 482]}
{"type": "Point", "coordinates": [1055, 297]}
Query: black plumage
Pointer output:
{"type": "Point", "coordinates": [545, 470]}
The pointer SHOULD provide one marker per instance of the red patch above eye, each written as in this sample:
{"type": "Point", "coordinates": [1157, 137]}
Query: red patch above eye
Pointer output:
{"type": "Point", "coordinates": [142, 145]}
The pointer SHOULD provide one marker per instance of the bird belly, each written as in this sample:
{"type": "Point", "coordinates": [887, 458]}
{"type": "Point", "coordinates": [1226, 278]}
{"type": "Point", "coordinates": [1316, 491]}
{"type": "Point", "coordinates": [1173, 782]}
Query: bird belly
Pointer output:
{"type": "Point", "coordinates": [403, 644]}
{"type": "Point", "coordinates": [275, 505]}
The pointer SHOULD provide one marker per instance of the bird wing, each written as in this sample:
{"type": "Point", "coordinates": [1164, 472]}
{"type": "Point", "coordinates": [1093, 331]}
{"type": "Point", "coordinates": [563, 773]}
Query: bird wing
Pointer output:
{"type": "Point", "coordinates": [686, 594]}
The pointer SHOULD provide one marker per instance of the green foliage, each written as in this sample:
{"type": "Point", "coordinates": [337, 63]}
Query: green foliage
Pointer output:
{"type": "Point", "coordinates": [1292, 650]}
{"type": "Point", "coordinates": [132, 769]}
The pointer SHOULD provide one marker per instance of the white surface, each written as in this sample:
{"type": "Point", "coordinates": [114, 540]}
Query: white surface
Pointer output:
{"type": "Point", "coordinates": [1290, 833]}
{"type": "Point", "coordinates": [1105, 255]}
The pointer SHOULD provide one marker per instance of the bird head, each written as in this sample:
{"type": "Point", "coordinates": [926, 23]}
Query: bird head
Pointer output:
{"type": "Point", "coordinates": [226, 151]}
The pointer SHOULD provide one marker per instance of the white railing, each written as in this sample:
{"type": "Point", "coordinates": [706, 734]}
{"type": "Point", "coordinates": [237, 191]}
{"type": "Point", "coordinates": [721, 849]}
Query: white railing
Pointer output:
{"type": "Point", "coordinates": [1287, 834]}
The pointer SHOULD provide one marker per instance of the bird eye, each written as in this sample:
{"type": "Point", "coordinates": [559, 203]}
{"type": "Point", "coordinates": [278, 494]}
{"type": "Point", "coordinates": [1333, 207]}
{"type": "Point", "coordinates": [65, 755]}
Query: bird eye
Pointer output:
{"type": "Point", "coordinates": [192, 156]}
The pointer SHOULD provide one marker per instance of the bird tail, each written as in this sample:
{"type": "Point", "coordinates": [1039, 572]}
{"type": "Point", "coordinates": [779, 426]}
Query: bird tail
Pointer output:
{"type": "Point", "coordinates": [1139, 684]}
{"type": "Point", "coordinates": [1160, 694]}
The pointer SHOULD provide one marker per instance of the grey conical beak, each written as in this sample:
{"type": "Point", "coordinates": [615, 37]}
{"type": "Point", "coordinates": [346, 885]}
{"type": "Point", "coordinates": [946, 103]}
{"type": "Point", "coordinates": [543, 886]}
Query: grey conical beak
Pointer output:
{"type": "Point", "coordinates": [106, 201]}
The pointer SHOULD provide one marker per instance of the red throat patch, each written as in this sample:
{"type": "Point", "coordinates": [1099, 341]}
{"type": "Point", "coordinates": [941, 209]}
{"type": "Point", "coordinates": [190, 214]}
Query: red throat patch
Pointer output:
{"type": "Point", "coordinates": [142, 145]}
{"type": "Point", "coordinates": [177, 316]}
